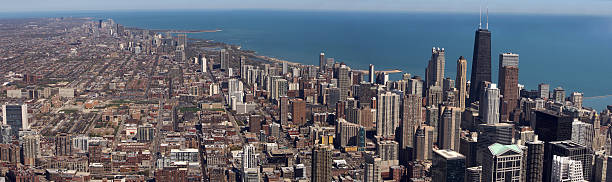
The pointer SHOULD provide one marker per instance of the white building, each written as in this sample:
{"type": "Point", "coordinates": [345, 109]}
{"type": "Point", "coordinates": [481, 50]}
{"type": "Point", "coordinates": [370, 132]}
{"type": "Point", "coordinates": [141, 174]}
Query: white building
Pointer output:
{"type": "Point", "coordinates": [565, 169]}
{"type": "Point", "coordinates": [489, 105]}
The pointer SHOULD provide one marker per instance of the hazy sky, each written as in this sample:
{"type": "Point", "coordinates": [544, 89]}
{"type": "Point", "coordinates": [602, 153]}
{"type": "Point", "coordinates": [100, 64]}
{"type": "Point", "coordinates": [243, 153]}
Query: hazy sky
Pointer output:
{"type": "Point", "coordinates": [596, 7]}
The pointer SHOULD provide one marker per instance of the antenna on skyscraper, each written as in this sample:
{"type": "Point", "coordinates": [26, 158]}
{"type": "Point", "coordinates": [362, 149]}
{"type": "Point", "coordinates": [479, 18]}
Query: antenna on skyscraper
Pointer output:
{"type": "Point", "coordinates": [480, 14]}
{"type": "Point", "coordinates": [487, 15]}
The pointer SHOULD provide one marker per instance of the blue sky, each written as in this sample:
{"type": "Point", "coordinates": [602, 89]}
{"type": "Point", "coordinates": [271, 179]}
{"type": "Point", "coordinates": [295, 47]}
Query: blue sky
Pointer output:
{"type": "Point", "coordinates": [588, 7]}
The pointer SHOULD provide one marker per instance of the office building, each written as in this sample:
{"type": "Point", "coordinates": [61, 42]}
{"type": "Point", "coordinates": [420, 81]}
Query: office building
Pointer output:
{"type": "Point", "coordinates": [371, 74]}
{"type": "Point", "coordinates": [434, 74]}
{"type": "Point", "coordinates": [321, 164]}
{"type": "Point", "coordinates": [373, 169]}
{"type": "Point", "coordinates": [423, 143]}
{"type": "Point", "coordinates": [508, 83]}
{"type": "Point", "coordinates": [559, 95]}
{"type": "Point", "coordinates": [284, 110]}
{"type": "Point", "coordinates": [224, 58]}
{"type": "Point", "coordinates": [502, 163]}
{"type": "Point", "coordinates": [449, 128]}
{"type": "Point", "coordinates": [576, 99]}
{"type": "Point", "coordinates": [344, 81]}
{"type": "Point", "coordinates": [568, 149]}
{"type": "Point", "coordinates": [493, 133]}
{"type": "Point", "coordinates": [566, 169]}
{"type": "Point", "coordinates": [435, 95]}
{"type": "Point", "coordinates": [16, 116]}
{"type": "Point", "coordinates": [535, 161]}
{"type": "Point", "coordinates": [388, 114]}
{"type": "Point", "coordinates": [552, 126]}
{"type": "Point", "coordinates": [412, 116]}
{"type": "Point", "coordinates": [544, 91]}
{"type": "Point", "coordinates": [447, 166]}
{"type": "Point", "coordinates": [298, 112]}
{"type": "Point", "coordinates": [582, 133]}
{"type": "Point", "coordinates": [63, 144]}
{"type": "Point", "coordinates": [481, 64]}
{"type": "Point", "coordinates": [347, 133]}
{"type": "Point", "coordinates": [30, 146]}
{"type": "Point", "coordinates": [322, 62]}
{"type": "Point", "coordinates": [461, 82]}
{"type": "Point", "coordinates": [473, 174]}
{"type": "Point", "coordinates": [489, 105]}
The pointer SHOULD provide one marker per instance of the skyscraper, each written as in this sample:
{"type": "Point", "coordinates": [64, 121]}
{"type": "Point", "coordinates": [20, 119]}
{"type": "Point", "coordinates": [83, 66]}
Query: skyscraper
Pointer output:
{"type": "Point", "coordinates": [435, 68]}
{"type": "Point", "coordinates": [204, 64]}
{"type": "Point", "coordinates": [321, 164]}
{"type": "Point", "coordinates": [489, 105]}
{"type": "Point", "coordinates": [502, 163]}
{"type": "Point", "coordinates": [63, 144]}
{"type": "Point", "coordinates": [224, 59]}
{"type": "Point", "coordinates": [412, 116]}
{"type": "Point", "coordinates": [423, 143]}
{"type": "Point", "coordinates": [500, 133]}
{"type": "Point", "coordinates": [447, 166]}
{"type": "Point", "coordinates": [15, 115]}
{"type": "Point", "coordinates": [481, 65]}
{"type": "Point", "coordinates": [544, 90]}
{"type": "Point", "coordinates": [567, 149]}
{"type": "Point", "coordinates": [535, 160]}
{"type": "Point", "coordinates": [388, 112]}
{"type": "Point", "coordinates": [322, 62]}
{"type": "Point", "coordinates": [461, 82]}
{"type": "Point", "coordinates": [371, 74]}
{"type": "Point", "coordinates": [508, 83]}
{"type": "Point", "coordinates": [566, 169]}
{"type": "Point", "coordinates": [344, 81]}
{"type": "Point", "coordinates": [299, 112]}
{"type": "Point", "coordinates": [448, 129]}
{"type": "Point", "coordinates": [576, 99]}
{"type": "Point", "coordinates": [372, 169]}
{"type": "Point", "coordinates": [559, 95]}
{"type": "Point", "coordinates": [284, 110]}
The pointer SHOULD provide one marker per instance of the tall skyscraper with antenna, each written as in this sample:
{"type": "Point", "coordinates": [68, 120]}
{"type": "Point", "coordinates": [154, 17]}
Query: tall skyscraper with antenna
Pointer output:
{"type": "Point", "coordinates": [481, 65]}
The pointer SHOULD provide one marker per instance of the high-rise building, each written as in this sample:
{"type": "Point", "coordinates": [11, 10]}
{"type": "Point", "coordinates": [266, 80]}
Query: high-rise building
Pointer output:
{"type": "Point", "coordinates": [544, 91]}
{"type": "Point", "coordinates": [322, 62]}
{"type": "Point", "coordinates": [566, 169]}
{"type": "Point", "coordinates": [473, 174]}
{"type": "Point", "coordinates": [224, 58]}
{"type": "Point", "coordinates": [447, 166]}
{"type": "Point", "coordinates": [489, 105]}
{"type": "Point", "coordinates": [582, 133]}
{"type": "Point", "coordinates": [552, 126]}
{"type": "Point", "coordinates": [461, 82]}
{"type": "Point", "coordinates": [423, 143]}
{"type": "Point", "coordinates": [469, 148]}
{"type": "Point", "coordinates": [508, 83]}
{"type": "Point", "coordinates": [559, 95]}
{"type": "Point", "coordinates": [321, 164]}
{"type": "Point", "coordinates": [30, 145]}
{"type": "Point", "coordinates": [493, 133]}
{"type": "Point", "coordinates": [435, 68]}
{"type": "Point", "coordinates": [568, 149]}
{"type": "Point", "coordinates": [388, 114]}
{"type": "Point", "coordinates": [502, 163]}
{"type": "Point", "coordinates": [414, 86]}
{"type": "Point", "coordinates": [16, 116]}
{"type": "Point", "coordinates": [435, 95]}
{"type": "Point", "coordinates": [285, 68]}
{"type": "Point", "coordinates": [535, 161]}
{"type": "Point", "coordinates": [204, 64]}
{"type": "Point", "coordinates": [298, 112]}
{"type": "Point", "coordinates": [63, 144]}
{"type": "Point", "coordinates": [449, 128]}
{"type": "Point", "coordinates": [576, 99]}
{"type": "Point", "coordinates": [412, 116]}
{"type": "Point", "coordinates": [371, 74]}
{"type": "Point", "coordinates": [284, 110]}
{"type": "Point", "coordinates": [347, 133]}
{"type": "Point", "coordinates": [344, 81]}
{"type": "Point", "coordinates": [373, 169]}
{"type": "Point", "coordinates": [249, 157]}
{"type": "Point", "coordinates": [481, 65]}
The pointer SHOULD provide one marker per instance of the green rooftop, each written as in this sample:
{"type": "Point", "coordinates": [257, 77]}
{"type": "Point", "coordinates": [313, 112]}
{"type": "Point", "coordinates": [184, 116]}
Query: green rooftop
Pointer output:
{"type": "Point", "coordinates": [498, 149]}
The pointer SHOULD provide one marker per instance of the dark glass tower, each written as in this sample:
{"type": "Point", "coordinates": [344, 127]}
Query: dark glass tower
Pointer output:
{"type": "Point", "coordinates": [481, 65]}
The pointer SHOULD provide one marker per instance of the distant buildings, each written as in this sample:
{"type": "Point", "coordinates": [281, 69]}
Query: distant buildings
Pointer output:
{"type": "Point", "coordinates": [435, 68]}
{"type": "Point", "coordinates": [461, 82]}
